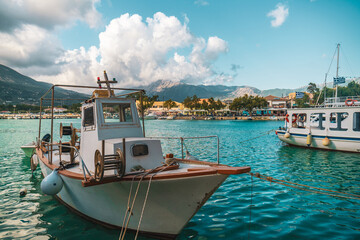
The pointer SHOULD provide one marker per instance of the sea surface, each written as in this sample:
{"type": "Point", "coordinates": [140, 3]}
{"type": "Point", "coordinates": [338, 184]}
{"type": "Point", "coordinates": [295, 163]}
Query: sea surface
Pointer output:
{"type": "Point", "coordinates": [242, 208]}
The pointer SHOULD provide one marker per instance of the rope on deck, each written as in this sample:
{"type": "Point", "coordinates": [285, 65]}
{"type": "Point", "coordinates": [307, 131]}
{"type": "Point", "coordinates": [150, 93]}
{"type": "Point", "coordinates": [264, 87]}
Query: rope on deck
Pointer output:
{"type": "Point", "coordinates": [304, 187]}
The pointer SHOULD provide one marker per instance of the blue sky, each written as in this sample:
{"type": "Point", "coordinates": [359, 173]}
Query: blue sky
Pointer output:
{"type": "Point", "coordinates": [245, 48]}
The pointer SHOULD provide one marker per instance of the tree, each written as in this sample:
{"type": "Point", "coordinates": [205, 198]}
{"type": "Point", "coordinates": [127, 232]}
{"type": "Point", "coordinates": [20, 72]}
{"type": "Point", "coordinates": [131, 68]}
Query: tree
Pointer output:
{"type": "Point", "coordinates": [188, 102]}
{"type": "Point", "coordinates": [303, 102]}
{"type": "Point", "coordinates": [248, 103]}
{"type": "Point", "coordinates": [312, 88]}
{"type": "Point", "coordinates": [169, 104]}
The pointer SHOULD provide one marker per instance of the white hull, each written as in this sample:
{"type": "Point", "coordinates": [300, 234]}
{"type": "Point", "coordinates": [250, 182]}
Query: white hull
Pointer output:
{"type": "Point", "coordinates": [336, 143]}
{"type": "Point", "coordinates": [170, 205]}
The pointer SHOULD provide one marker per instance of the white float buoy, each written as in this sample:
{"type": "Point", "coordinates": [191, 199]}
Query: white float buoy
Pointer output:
{"type": "Point", "coordinates": [52, 184]}
{"type": "Point", "coordinates": [287, 135]}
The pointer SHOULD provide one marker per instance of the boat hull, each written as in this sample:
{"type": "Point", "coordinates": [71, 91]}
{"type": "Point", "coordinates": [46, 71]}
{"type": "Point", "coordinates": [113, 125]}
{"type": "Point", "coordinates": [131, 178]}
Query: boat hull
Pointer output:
{"type": "Point", "coordinates": [28, 150]}
{"type": "Point", "coordinates": [347, 144]}
{"type": "Point", "coordinates": [171, 203]}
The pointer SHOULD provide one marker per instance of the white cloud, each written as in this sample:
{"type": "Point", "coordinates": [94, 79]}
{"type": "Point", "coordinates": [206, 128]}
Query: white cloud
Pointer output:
{"type": "Point", "coordinates": [139, 52]}
{"type": "Point", "coordinates": [29, 46]}
{"type": "Point", "coordinates": [47, 14]}
{"type": "Point", "coordinates": [201, 2]}
{"type": "Point", "coordinates": [280, 13]}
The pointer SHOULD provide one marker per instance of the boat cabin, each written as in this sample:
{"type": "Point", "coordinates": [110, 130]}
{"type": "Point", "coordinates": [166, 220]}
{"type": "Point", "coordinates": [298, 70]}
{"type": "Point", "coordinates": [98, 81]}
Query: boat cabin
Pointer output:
{"type": "Point", "coordinates": [115, 123]}
{"type": "Point", "coordinates": [329, 120]}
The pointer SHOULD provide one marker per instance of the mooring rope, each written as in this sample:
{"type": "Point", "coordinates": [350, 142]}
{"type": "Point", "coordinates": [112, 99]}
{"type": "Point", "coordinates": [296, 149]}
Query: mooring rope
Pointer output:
{"type": "Point", "coordinates": [146, 197]}
{"type": "Point", "coordinates": [308, 188]}
{"type": "Point", "coordinates": [259, 136]}
{"type": "Point", "coordinates": [251, 203]}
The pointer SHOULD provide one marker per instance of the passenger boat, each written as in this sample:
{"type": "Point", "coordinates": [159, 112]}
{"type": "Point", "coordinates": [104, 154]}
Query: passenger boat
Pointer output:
{"type": "Point", "coordinates": [116, 176]}
{"type": "Point", "coordinates": [333, 126]}
{"type": "Point", "coordinates": [325, 128]}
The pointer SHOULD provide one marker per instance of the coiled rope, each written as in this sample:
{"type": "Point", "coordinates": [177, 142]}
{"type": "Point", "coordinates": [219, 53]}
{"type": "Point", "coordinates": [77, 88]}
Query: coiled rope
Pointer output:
{"type": "Point", "coordinates": [304, 187]}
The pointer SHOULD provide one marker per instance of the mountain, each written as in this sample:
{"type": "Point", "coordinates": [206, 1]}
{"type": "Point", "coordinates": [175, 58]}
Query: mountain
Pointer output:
{"type": "Point", "coordinates": [178, 91]}
{"type": "Point", "coordinates": [17, 88]}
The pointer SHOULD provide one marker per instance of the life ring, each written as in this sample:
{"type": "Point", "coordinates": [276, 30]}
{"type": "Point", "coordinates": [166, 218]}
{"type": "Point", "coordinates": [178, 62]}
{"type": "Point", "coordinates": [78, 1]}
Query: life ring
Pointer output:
{"type": "Point", "coordinates": [350, 102]}
{"type": "Point", "coordinates": [294, 118]}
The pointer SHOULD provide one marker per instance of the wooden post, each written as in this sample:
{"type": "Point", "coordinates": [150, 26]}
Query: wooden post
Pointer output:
{"type": "Point", "coordinates": [142, 112]}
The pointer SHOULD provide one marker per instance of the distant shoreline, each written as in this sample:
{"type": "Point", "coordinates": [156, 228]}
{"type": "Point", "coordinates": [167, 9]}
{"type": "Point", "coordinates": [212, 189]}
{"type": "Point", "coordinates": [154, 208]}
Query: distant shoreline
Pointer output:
{"type": "Point", "coordinates": [78, 116]}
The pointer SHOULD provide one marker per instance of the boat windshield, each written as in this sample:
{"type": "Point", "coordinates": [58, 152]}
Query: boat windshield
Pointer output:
{"type": "Point", "coordinates": [117, 112]}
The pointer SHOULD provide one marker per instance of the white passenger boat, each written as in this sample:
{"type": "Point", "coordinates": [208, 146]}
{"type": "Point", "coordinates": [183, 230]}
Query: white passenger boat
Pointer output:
{"type": "Point", "coordinates": [118, 177]}
{"type": "Point", "coordinates": [326, 128]}
{"type": "Point", "coordinates": [333, 126]}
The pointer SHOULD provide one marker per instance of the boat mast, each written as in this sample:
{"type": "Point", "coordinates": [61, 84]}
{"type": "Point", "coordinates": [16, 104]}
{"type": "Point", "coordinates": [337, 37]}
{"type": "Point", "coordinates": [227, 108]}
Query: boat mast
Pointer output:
{"type": "Point", "coordinates": [337, 70]}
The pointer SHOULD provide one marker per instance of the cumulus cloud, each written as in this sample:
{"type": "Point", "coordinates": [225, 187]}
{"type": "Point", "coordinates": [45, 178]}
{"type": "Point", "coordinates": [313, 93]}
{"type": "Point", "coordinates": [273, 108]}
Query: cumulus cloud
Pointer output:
{"type": "Point", "coordinates": [139, 52]}
{"type": "Point", "coordinates": [29, 46]}
{"type": "Point", "coordinates": [46, 14]}
{"type": "Point", "coordinates": [280, 13]}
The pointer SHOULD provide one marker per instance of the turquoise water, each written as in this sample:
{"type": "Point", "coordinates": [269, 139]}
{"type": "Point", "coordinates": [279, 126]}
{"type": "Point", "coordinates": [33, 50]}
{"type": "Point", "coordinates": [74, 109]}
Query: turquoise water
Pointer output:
{"type": "Point", "coordinates": [277, 211]}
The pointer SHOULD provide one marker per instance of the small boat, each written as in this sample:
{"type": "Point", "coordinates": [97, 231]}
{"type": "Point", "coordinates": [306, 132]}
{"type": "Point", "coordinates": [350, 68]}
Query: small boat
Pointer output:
{"type": "Point", "coordinates": [119, 178]}
{"type": "Point", "coordinates": [28, 149]}
{"type": "Point", "coordinates": [151, 116]}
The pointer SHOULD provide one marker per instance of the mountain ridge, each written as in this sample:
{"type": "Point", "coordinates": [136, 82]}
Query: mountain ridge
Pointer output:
{"type": "Point", "coordinates": [17, 88]}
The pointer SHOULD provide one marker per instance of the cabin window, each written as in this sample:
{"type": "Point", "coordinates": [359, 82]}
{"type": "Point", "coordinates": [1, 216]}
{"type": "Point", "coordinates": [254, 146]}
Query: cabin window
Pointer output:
{"type": "Point", "coordinates": [140, 150]}
{"type": "Point", "coordinates": [117, 112]}
{"type": "Point", "coordinates": [299, 120]}
{"type": "Point", "coordinates": [88, 117]}
{"type": "Point", "coordinates": [356, 122]}
{"type": "Point", "coordinates": [317, 120]}
{"type": "Point", "coordinates": [337, 120]}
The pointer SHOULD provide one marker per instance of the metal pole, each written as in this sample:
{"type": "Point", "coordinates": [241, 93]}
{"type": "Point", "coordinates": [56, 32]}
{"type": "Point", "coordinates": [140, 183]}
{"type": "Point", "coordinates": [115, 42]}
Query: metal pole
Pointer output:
{"type": "Point", "coordinates": [52, 121]}
{"type": "Point", "coordinates": [40, 118]}
{"type": "Point", "coordinates": [142, 112]}
{"type": "Point", "coordinates": [337, 72]}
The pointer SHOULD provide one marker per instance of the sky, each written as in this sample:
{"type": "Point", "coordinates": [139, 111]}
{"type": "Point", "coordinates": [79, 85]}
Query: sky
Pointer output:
{"type": "Point", "coordinates": [260, 43]}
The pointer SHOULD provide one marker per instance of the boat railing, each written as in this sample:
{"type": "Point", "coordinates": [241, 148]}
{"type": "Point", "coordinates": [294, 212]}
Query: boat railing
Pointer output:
{"type": "Point", "coordinates": [182, 139]}
{"type": "Point", "coordinates": [341, 101]}
{"type": "Point", "coordinates": [83, 165]}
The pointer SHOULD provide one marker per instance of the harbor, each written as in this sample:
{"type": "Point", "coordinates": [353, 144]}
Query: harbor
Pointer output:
{"type": "Point", "coordinates": [174, 120]}
{"type": "Point", "coordinates": [276, 211]}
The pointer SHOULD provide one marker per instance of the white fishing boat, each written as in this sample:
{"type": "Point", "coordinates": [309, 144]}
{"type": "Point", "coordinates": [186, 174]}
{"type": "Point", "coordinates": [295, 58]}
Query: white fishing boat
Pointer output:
{"type": "Point", "coordinates": [117, 177]}
{"type": "Point", "coordinates": [333, 126]}
{"type": "Point", "coordinates": [151, 116]}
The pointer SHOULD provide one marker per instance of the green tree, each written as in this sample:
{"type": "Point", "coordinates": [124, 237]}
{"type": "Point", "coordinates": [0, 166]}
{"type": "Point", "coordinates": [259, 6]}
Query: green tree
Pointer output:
{"type": "Point", "coordinates": [169, 104]}
{"type": "Point", "coordinates": [188, 103]}
{"type": "Point", "coordinates": [248, 103]}
{"type": "Point", "coordinates": [312, 88]}
{"type": "Point", "coordinates": [303, 102]}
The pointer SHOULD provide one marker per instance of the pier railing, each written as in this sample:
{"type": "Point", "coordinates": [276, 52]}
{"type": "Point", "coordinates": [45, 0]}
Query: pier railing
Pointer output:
{"type": "Point", "coordinates": [184, 138]}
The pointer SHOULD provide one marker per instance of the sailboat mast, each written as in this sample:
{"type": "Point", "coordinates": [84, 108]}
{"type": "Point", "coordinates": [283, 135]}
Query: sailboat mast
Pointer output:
{"type": "Point", "coordinates": [337, 70]}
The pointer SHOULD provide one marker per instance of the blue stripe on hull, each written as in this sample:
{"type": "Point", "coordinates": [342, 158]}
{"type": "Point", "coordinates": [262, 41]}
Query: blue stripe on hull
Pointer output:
{"type": "Point", "coordinates": [320, 137]}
